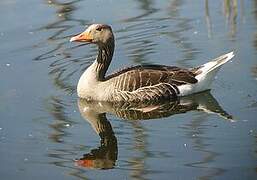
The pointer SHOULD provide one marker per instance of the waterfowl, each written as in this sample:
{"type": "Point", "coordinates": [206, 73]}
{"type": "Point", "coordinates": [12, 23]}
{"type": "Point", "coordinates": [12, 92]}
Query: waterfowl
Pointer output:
{"type": "Point", "coordinates": [138, 83]}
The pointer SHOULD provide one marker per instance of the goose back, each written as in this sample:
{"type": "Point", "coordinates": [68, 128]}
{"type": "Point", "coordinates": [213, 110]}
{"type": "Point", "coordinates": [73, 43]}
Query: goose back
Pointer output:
{"type": "Point", "coordinates": [149, 82]}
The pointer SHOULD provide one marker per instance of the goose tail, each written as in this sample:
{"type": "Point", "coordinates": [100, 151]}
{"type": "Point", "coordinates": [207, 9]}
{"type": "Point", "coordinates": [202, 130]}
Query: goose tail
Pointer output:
{"type": "Point", "coordinates": [205, 75]}
{"type": "Point", "coordinates": [213, 65]}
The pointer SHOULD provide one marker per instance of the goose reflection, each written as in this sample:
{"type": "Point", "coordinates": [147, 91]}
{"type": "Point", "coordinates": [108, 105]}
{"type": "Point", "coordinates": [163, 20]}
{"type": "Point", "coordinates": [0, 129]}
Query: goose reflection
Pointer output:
{"type": "Point", "coordinates": [105, 156]}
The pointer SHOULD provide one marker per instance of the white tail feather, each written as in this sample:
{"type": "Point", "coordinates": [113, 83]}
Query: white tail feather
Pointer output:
{"type": "Point", "coordinates": [214, 64]}
{"type": "Point", "coordinates": [205, 75]}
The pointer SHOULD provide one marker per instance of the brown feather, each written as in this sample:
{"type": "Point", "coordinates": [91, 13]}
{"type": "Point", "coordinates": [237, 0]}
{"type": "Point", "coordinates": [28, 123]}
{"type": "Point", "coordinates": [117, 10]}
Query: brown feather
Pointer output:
{"type": "Point", "coordinates": [149, 75]}
{"type": "Point", "coordinates": [156, 93]}
{"type": "Point", "coordinates": [184, 76]}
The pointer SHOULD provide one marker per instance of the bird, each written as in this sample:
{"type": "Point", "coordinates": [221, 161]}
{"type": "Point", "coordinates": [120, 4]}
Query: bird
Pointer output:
{"type": "Point", "coordinates": [141, 83]}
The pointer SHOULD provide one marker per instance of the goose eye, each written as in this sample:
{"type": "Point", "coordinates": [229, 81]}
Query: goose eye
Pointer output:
{"type": "Point", "coordinates": [99, 29]}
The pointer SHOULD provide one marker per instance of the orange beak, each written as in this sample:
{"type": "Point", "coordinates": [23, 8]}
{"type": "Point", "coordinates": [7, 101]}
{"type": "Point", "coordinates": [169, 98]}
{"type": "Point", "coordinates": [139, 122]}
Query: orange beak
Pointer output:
{"type": "Point", "coordinates": [85, 163]}
{"type": "Point", "coordinates": [83, 37]}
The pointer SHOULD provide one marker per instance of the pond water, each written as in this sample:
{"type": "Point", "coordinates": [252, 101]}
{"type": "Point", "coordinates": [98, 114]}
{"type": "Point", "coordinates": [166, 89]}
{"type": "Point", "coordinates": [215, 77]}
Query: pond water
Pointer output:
{"type": "Point", "coordinates": [47, 132]}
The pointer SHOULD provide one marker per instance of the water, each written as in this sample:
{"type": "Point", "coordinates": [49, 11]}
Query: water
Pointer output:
{"type": "Point", "coordinates": [44, 128]}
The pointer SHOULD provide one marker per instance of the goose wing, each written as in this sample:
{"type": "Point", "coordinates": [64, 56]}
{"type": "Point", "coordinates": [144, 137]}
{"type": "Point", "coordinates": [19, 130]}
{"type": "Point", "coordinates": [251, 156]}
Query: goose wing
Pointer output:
{"type": "Point", "coordinates": [155, 93]}
{"type": "Point", "coordinates": [131, 79]}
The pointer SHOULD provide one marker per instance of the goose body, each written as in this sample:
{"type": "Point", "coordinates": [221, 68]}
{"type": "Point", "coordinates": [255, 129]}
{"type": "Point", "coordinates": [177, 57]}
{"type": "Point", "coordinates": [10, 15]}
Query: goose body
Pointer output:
{"type": "Point", "coordinates": [139, 83]}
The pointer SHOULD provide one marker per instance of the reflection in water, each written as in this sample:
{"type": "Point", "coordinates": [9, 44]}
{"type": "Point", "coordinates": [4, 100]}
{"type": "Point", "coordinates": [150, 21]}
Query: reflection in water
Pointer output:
{"type": "Point", "coordinates": [146, 6]}
{"type": "Point", "coordinates": [105, 156]}
{"type": "Point", "coordinates": [196, 131]}
{"type": "Point", "coordinates": [230, 10]}
{"type": "Point", "coordinates": [208, 19]}
{"type": "Point", "coordinates": [62, 156]}
{"type": "Point", "coordinates": [254, 72]}
{"type": "Point", "coordinates": [178, 33]}
{"type": "Point", "coordinates": [140, 31]}
{"type": "Point", "coordinates": [144, 29]}
{"type": "Point", "coordinates": [141, 111]}
{"type": "Point", "coordinates": [63, 66]}
{"type": "Point", "coordinates": [57, 108]}
{"type": "Point", "coordinates": [137, 161]}
{"type": "Point", "coordinates": [254, 68]}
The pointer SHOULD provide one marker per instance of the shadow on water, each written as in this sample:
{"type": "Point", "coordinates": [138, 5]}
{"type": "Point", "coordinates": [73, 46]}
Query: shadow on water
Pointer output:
{"type": "Point", "coordinates": [105, 156]}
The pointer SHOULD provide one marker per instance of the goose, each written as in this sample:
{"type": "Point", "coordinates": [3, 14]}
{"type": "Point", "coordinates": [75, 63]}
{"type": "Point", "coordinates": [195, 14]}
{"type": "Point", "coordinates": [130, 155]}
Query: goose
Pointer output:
{"type": "Point", "coordinates": [141, 83]}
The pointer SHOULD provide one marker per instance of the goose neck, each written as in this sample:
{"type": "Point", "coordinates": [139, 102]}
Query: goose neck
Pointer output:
{"type": "Point", "coordinates": [103, 60]}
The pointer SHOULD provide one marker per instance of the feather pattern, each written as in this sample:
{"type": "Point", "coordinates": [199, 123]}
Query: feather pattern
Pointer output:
{"type": "Point", "coordinates": [149, 82]}
{"type": "Point", "coordinates": [155, 93]}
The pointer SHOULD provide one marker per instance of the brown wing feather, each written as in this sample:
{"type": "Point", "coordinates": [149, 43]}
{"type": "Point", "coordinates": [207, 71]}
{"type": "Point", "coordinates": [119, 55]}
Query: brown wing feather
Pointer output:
{"type": "Point", "coordinates": [184, 76]}
{"type": "Point", "coordinates": [155, 93]}
{"type": "Point", "coordinates": [133, 78]}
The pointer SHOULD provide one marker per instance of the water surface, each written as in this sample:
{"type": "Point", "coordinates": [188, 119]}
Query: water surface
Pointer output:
{"type": "Point", "coordinates": [44, 127]}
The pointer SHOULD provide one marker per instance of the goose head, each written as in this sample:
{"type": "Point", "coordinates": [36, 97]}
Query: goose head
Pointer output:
{"type": "Point", "coordinates": [100, 34]}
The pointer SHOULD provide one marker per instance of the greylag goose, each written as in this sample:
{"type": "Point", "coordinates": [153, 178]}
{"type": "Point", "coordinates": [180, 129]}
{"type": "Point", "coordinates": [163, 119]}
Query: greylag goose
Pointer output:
{"type": "Point", "coordinates": [139, 83]}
